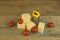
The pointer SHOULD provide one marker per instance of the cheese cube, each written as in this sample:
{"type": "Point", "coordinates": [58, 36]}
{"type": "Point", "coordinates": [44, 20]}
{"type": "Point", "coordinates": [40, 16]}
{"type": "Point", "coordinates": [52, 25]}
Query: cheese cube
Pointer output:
{"type": "Point", "coordinates": [21, 26]}
{"type": "Point", "coordinates": [26, 18]}
{"type": "Point", "coordinates": [41, 27]}
{"type": "Point", "coordinates": [30, 25]}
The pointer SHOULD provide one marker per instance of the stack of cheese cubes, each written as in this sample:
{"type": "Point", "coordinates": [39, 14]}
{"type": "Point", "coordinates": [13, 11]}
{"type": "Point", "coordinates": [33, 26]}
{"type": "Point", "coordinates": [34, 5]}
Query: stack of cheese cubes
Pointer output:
{"type": "Point", "coordinates": [26, 20]}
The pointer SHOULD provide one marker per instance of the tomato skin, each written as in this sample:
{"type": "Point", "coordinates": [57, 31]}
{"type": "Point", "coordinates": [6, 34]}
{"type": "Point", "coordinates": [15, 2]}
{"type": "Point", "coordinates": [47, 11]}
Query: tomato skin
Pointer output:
{"type": "Point", "coordinates": [34, 29]}
{"type": "Point", "coordinates": [11, 24]}
{"type": "Point", "coordinates": [50, 25]}
{"type": "Point", "coordinates": [26, 33]}
{"type": "Point", "coordinates": [20, 21]}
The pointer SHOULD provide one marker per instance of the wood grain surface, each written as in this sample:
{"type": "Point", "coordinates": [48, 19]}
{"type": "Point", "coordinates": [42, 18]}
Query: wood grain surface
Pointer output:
{"type": "Point", "coordinates": [12, 10]}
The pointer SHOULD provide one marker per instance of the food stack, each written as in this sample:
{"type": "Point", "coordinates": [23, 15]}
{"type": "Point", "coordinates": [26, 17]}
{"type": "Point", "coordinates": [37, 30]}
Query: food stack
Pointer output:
{"type": "Point", "coordinates": [26, 20]}
{"type": "Point", "coordinates": [30, 25]}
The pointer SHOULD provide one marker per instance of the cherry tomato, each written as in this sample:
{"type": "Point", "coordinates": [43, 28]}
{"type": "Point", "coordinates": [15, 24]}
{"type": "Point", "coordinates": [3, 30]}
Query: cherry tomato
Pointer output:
{"type": "Point", "coordinates": [11, 24]}
{"type": "Point", "coordinates": [20, 21]}
{"type": "Point", "coordinates": [26, 32]}
{"type": "Point", "coordinates": [50, 24]}
{"type": "Point", "coordinates": [34, 29]}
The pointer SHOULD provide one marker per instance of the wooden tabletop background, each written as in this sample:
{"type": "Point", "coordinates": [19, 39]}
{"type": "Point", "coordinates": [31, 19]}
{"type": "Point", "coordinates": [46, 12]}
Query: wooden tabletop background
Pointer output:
{"type": "Point", "coordinates": [12, 10]}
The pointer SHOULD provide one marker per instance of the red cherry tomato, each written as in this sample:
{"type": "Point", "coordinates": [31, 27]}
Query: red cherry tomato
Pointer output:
{"type": "Point", "coordinates": [26, 32]}
{"type": "Point", "coordinates": [20, 21]}
{"type": "Point", "coordinates": [34, 29]}
{"type": "Point", "coordinates": [50, 24]}
{"type": "Point", "coordinates": [11, 24]}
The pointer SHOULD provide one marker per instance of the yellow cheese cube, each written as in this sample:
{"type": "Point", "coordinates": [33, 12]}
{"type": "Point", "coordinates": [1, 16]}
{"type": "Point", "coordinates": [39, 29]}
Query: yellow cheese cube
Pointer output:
{"type": "Point", "coordinates": [21, 26]}
{"type": "Point", "coordinates": [30, 25]}
{"type": "Point", "coordinates": [26, 18]}
{"type": "Point", "coordinates": [41, 27]}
